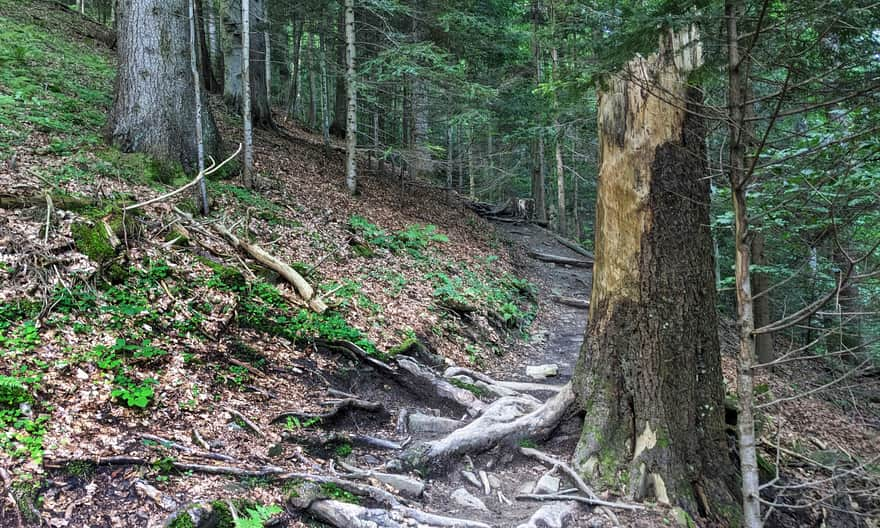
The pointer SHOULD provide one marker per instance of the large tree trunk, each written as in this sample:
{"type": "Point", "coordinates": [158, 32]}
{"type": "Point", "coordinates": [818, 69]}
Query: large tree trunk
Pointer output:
{"type": "Point", "coordinates": [206, 70]}
{"type": "Point", "coordinates": [232, 90]}
{"type": "Point", "coordinates": [216, 50]}
{"type": "Point", "coordinates": [153, 108]}
{"type": "Point", "coordinates": [649, 375]}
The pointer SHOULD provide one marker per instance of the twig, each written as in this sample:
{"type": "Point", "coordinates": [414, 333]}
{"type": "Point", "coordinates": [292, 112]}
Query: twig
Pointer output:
{"type": "Point", "coordinates": [250, 425]}
{"type": "Point", "coordinates": [197, 438]}
{"type": "Point", "coordinates": [48, 217]}
{"type": "Point", "coordinates": [187, 450]}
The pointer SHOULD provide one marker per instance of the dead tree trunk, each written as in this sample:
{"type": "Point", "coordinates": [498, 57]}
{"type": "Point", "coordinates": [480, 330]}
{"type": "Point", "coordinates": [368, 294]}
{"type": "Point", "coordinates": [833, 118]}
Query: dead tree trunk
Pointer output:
{"type": "Point", "coordinates": [153, 104]}
{"type": "Point", "coordinates": [649, 375]}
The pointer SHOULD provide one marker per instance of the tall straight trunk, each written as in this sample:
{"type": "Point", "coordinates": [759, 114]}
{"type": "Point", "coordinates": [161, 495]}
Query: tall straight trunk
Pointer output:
{"type": "Point", "coordinates": [197, 92]}
{"type": "Point", "coordinates": [471, 175]}
{"type": "Point", "coordinates": [760, 284]}
{"type": "Point", "coordinates": [267, 37]}
{"type": "Point", "coordinates": [293, 95]}
{"type": "Point", "coordinates": [153, 108]}
{"type": "Point", "coordinates": [449, 158]}
{"type": "Point", "coordinates": [248, 172]}
{"type": "Point", "coordinates": [561, 217]}
{"type": "Point", "coordinates": [538, 168]}
{"type": "Point", "coordinates": [312, 117]}
{"type": "Point", "coordinates": [340, 105]}
{"type": "Point", "coordinates": [214, 47]}
{"type": "Point", "coordinates": [649, 374]}
{"type": "Point", "coordinates": [233, 85]}
{"type": "Point", "coordinates": [846, 328]}
{"type": "Point", "coordinates": [205, 64]}
{"type": "Point", "coordinates": [737, 90]}
{"type": "Point", "coordinates": [325, 117]}
{"type": "Point", "coordinates": [377, 146]}
{"type": "Point", "coordinates": [422, 164]}
{"type": "Point", "coordinates": [351, 89]}
{"type": "Point", "coordinates": [575, 213]}
{"type": "Point", "coordinates": [461, 152]}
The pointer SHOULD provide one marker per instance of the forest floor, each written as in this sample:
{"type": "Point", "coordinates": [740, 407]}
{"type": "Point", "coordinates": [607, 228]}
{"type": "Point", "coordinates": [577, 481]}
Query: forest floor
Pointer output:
{"type": "Point", "coordinates": [171, 348]}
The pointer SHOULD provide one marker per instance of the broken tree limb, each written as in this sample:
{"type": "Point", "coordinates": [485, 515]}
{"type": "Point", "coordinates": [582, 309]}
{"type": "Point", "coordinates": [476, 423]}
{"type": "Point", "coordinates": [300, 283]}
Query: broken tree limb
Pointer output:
{"type": "Point", "coordinates": [303, 288]}
{"type": "Point", "coordinates": [574, 246]}
{"type": "Point", "coordinates": [583, 304]}
{"type": "Point", "coordinates": [558, 259]}
{"type": "Point", "coordinates": [572, 474]}
{"type": "Point", "coordinates": [585, 500]}
{"type": "Point", "coordinates": [187, 450]}
{"type": "Point", "coordinates": [506, 420]}
{"type": "Point", "coordinates": [338, 406]}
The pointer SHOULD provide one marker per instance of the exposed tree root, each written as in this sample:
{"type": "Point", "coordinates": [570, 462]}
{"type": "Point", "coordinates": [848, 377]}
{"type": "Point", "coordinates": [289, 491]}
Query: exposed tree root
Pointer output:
{"type": "Point", "coordinates": [556, 515]}
{"type": "Point", "coordinates": [247, 422]}
{"type": "Point", "coordinates": [354, 439]}
{"type": "Point", "coordinates": [515, 386]}
{"type": "Point", "coordinates": [557, 259]}
{"type": "Point", "coordinates": [408, 486]}
{"type": "Point", "coordinates": [585, 500]}
{"type": "Point", "coordinates": [345, 515]}
{"type": "Point", "coordinates": [338, 406]}
{"type": "Point", "coordinates": [504, 421]}
{"type": "Point", "coordinates": [424, 381]}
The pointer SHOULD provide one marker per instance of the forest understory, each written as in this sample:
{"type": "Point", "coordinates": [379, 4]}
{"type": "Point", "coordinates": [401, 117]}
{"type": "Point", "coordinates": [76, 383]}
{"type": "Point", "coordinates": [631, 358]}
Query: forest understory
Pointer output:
{"type": "Point", "coordinates": [155, 371]}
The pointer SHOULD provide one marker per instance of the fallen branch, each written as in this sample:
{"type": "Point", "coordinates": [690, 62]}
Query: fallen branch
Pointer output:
{"type": "Point", "coordinates": [338, 406]}
{"type": "Point", "coordinates": [585, 500]}
{"type": "Point", "coordinates": [557, 259]}
{"type": "Point", "coordinates": [574, 246]}
{"type": "Point", "coordinates": [303, 288]}
{"type": "Point", "coordinates": [247, 422]}
{"type": "Point", "coordinates": [571, 301]}
{"type": "Point", "coordinates": [187, 450]}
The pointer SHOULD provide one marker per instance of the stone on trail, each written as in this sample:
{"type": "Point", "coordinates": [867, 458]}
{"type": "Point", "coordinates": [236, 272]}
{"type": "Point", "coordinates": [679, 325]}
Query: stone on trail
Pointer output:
{"type": "Point", "coordinates": [547, 485]}
{"type": "Point", "coordinates": [423, 423]}
{"type": "Point", "coordinates": [540, 372]}
{"type": "Point", "coordinates": [494, 481]}
{"type": "Point", "coordinates": [553, 515]}
{"type": "Point", "coordinates": [463, 498]}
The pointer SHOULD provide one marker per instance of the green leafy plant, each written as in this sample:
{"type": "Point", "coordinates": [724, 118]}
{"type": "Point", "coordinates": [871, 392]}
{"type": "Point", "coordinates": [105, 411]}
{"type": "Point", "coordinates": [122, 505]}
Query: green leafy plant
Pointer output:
{"type": "Point", "coordinates": [333, 491]}
{"type": "Point", "coordinates": [257, 516]}
{"type": "Point", "coordinates": [132, 393]}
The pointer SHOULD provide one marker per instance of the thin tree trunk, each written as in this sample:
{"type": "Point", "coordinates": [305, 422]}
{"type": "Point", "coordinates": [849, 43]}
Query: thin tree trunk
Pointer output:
{"type": "Point", "coordinates": [207, 73]}
{"type": "Point", "coordinates": [267, 36]}
{"type": "Point", "coordinates": [449, 162]}
{"type": "Point", "coordinates": [294, 95]}
{"type": "Point", "coordinates": [760, 282]}
{"type": "Point", "coordinates": [649, 375]}
{"type": "Point", "coordinates": [215, 48]}
{"type": "Point", "coordinates": [351, 86]}
{"type": "Point", "coordinates": [338, 127]}
{"type": "Point", "coordinates": [538, 168]}
{"type": "Point", "coordinates": [560, 136]}
{"type": "Point", "coordinates": [197, 90]}
{"type": "Point", "coordinates": [248, 175]}
{"type": "Point", "coordinates": [471, 175]}
{"type": "Point", "coordinates": [737, 88]}
{"type": "Point", "coordinates": [325, 117]}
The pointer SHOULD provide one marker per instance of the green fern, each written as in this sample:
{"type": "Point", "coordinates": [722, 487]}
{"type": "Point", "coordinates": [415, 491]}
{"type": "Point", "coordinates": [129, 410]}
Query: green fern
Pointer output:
{"type": "Point", "coordinates": [257, 516]}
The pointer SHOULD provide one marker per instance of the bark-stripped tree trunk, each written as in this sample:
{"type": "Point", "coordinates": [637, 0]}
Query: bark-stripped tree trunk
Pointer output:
{"type": "Point", "coordinates": [232, 90]}
{"type": "Point", "coordinates": [351, 89]}
{"type": "Point", "coordinates": [649, 374]}
{"type": "Point", "coordinates": [738, 141]}
{"type": "Point", "coordinates": [153, 104]}
{"type": "Point", "coordinates": [248, 172]}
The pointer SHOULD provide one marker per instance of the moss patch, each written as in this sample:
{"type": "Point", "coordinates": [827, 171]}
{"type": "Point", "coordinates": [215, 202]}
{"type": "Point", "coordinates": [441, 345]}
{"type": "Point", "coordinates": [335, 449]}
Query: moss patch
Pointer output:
{"type": "Point", "coordinates": [92, 241]}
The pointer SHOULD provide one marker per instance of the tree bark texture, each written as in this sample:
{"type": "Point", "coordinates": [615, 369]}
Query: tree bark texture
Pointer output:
{"type": "Point", "coordinates": [232, 89]}
{"type": "Point", "coordinates": [153, 108]}
{"type": "Point", "coordinates": [293, 96]}
{"type": "Point", "coordinates": [649, 374]}
{"type": "Point", "coordinates": [205, 65]}
{"type": "Point", "coordinates": [351, 91]}
{"type": "Point", "coordinates": [760, 283]}
{"type": "Point", "coordinates": [337, 127]}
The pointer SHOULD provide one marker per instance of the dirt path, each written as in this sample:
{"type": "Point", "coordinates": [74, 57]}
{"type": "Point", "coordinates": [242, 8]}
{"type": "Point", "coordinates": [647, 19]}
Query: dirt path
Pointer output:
{"type": "Point", "coordinates": [558, 330]}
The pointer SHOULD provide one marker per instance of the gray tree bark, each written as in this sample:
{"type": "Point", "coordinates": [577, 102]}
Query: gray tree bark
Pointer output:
{"type": "Point", "coordinates": [351, 89]}
{"type": "Point", "coordinates": [153, 109]}
{"type": "Point", "coordinates": [232, 89]}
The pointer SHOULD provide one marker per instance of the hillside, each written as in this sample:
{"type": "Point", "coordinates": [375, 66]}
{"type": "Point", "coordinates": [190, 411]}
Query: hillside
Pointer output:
{"type": "Point", "coordinates": [147, 364]}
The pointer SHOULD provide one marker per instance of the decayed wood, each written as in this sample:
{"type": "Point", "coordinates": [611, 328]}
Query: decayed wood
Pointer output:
{"type": "Point", "coordinates": [557, 259]}
{"type": "Point", "coordinates": [571, 301]}
{"type": "Point", "coordinates": [303, 288]}
{"type": "Point", "coordinates": [65, 203]}
{"type": "Point", "coordinates": [337, 407]}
